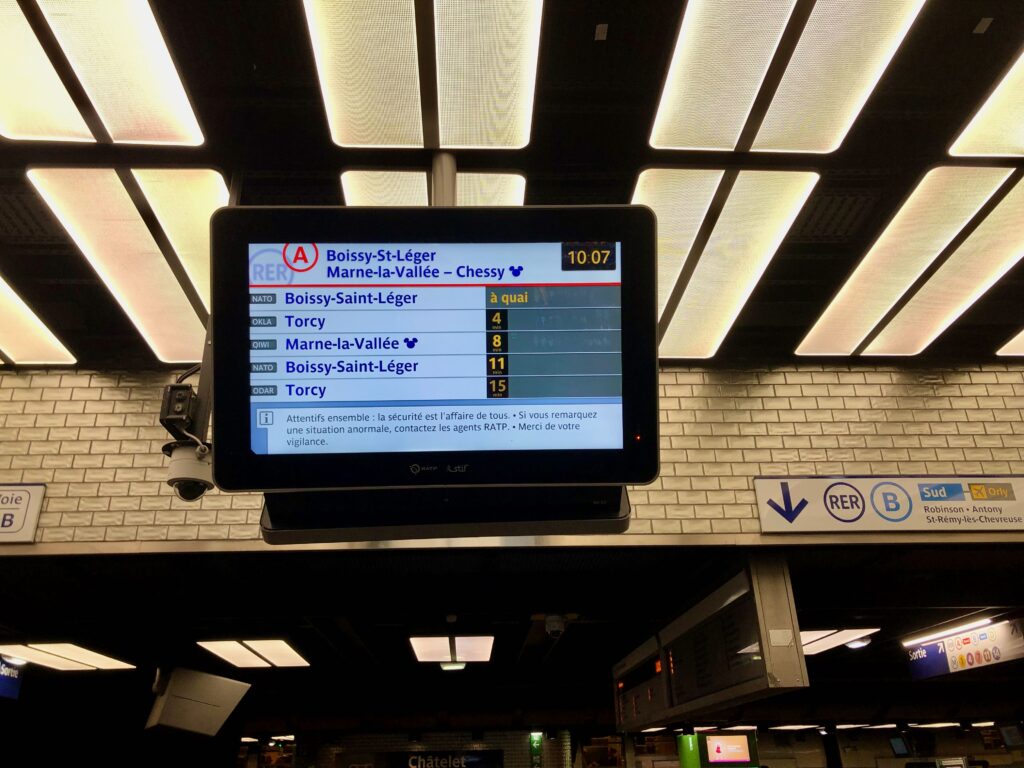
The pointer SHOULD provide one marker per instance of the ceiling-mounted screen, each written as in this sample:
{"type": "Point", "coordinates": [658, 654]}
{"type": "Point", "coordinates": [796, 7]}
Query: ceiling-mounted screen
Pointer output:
{"type": "Point", "coordinates": [371, 347]}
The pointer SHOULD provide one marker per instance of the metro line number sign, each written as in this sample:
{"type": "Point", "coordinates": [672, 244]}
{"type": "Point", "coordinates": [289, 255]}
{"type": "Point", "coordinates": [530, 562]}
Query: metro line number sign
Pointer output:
{"type": "Point", "coordinates": [890, 504]}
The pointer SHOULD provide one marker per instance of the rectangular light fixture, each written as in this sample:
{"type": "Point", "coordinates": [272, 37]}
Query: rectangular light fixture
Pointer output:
{"type": "Point", "coordinates": [984, 724]}
{"type": "Point", "coordinates": [834, 640]}
{"type": "Point", "coordinates": [386, 188]}
{"type": "Point", "coordinates": [24, 338]}
{"type": "Point", "coordinates": [793, 727]}
{"type": "Point", "coordinates": [1014, 346]}
{"type": "Point", "coordinates": [934, 725]}
{"type": "Point", "coordinates": [702, 728]}
{"type": "Point", "coordinates": [95, 209]}
{"type": "Point", "coordinates": [366, 60]}
{"type": "Point", "coordinates": [987, 254]}
{"type": "Point", "coordinates": [680, 199]}
{"type": "Point", "coordinates": [719, 62]}
{"type": "Point", "coordinates": [453, 666]}
{"type": "Point", "coordinates": [121, 59]}
{"type": "Point", "coordinates": [656, 729]}
{"type": "Point", "coordinates": [851, 726]}
{"type": "Point", "coordinates": [997, 128]}
{"type": "Point", "coordinates": [277, 652]}
{"type": "Point", "coordinates": [81, 655]}
{"type": "Point", "coordinates": [938, 208]}
{"type": "Point", "coordinates": [34, 104]}
{"type": "Point", "coordinates": [486, 71]}
{"type": "Point", "coordinates": [234, 653]}
{"type": "Point", "coordinates": [43, 659]}
{"type": "Point", "coordinates": [183, 200]}
{"type": "Point", "coordinates": [431, 648]}
{"type": "Point", "coordinates": [843, 51]}
{"type": "Point", "coordinates": [757, 215]}
{"type": "Point", "coordinates": [941, 633]}
{"type": "Point", "coordinates": [477, 189]}
{"type": "Point", "coordinates": [476, 648]}
{"type": "Point", "coordinates": [741, 728]}
{"type": "Point", "coordinates": [880, 727]}
{"type": "Point", "coordinates": [810, 635]}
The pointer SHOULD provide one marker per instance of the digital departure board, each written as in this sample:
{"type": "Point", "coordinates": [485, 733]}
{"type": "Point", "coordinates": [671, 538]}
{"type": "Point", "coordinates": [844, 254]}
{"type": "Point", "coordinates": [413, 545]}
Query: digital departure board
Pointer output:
{"type": "Point", "coordinates": [381, 347]}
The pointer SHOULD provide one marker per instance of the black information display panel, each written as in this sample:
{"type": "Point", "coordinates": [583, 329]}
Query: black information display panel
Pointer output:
{"type": "Point", "coordinates": [363, 348]}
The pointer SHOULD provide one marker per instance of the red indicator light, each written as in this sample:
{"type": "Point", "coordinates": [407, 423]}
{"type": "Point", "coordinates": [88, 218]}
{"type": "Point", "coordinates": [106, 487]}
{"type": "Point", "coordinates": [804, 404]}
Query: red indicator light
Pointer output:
{"type": "Point", "coordinates": [637, 438]}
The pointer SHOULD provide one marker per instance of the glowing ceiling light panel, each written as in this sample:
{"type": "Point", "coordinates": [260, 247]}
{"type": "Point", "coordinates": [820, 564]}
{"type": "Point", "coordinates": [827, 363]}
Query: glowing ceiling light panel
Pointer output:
{"type": "Point", "coordinates": [680, 199]}
{"type": "Point", "coordinates": [984, 257]}
{"type": "Point", "coordinates": [81, 655]}
{"type": "Point", "coordinates": [95, 209]}
{"type": "Point", "coordinates": [431, 648]}
{"type": "Point", "coordinates": [23, 336]}
{"type": "Point", "coordinates": [486, 71]}
{"type": "Point", "coordinates": [365, 52]}
{"type": "Point", "coordinates": [843, 51]}
{"type": "Point", "coordinates": [719, 62]}
{"type": "Point", "coordinates": [121, 59]}
{"type": "Point", "coordinates": [997, 128]}
{"type": "Point", "coordinates": [34, 104]}
{"type": "Point", "coordinates": [234, 653]}
{"type": "Point", "coordinates": [474, 648]}
{"type": "Point", "coordinates": [183, 200]}
{"type": "Point", "coordinates": [387, 188]}
{"type": "Point", "coordinates": [938, 208]}
{"type": "Point", "coordinates": [1014, 346]}
{"type": "Point", "coordinates": [834, 640]}
{"type": "Point", "coordinates": [43, 659]}
{"type": "Point", "coordinates": [474, 189]}
{"type": "Point", "coordinates": [277, 652]}
{"type": "Point", "coordinates": [759, 212]}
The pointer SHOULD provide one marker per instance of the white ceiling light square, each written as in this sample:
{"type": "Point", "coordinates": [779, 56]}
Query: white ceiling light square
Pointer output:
{"type": "Point", "coordinates": [365, 52]}
{"type": "Point", "coordinates": [81, 655]}
{"type": "Point", "coordinates": [719, 62]}
{"type": "Point", "coordinates": [486, 71]}
{"type": "Point", "coordinates": [34, 104]}
{"type": "Point", "coordinates": [183, 200]}
{"type": "Point", "coordinates": [277, 652]}
{"type": "Point", "coordinates": [680, 199]}
{"type": "Point", "coordinates": [835, 639]}
{"type": "Point", "coordinates": [431, 648]}
{"type": "Point", "coordinates": [1014, 346]}
{"type": "Point", "coordinates": [984, 257]}
{"type": "Point", "coordinates": [95, 209]}
{"type": "Point", "coordinates": [475, 189]}
{"type": "Point", "coordinates": [234, 653]}
{"type": "Point", "coordinates": [810, 635]}
{"type": "Point", "coordinates": [387, 188]}
{"type": "Point", "coordinates": [843, 51]}
{"type": "Point", "coordinates": [473, 648]}
{"type": "Point", "coordinates": [42, 658]}
{"type": "Point", "coordinates": [938, 208]}
{"type": "Point", "coordinates": [759, 212]}
{"type": "Point", "coordinates": [997, 128]}
{"type": "Point", "coordinates": [119, 55]}
{"type": "Point", "coordinates": [23, 336]}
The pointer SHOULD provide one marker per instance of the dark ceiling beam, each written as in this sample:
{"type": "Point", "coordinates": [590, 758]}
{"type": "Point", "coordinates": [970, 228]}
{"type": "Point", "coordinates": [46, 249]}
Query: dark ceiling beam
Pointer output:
{"type": "Point", "coordinates": [944, 256]}
{"type": "Point", "coordinates": [426, 56]}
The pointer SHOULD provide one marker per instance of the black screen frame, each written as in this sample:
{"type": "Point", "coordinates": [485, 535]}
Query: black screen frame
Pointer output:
{"type": "Point", "coordinates": [237, 468]}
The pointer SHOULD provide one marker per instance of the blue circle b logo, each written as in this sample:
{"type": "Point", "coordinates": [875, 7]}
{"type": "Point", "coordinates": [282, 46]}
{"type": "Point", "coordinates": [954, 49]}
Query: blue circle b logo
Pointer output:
{"type": "Point", "coordinates": [891, 502]}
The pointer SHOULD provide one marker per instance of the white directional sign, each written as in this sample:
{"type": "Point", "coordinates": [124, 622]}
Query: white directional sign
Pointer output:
{"type": "Point", "coordinates": [19, 512]}
{"type": "Point", "coordinates": [890, 504]}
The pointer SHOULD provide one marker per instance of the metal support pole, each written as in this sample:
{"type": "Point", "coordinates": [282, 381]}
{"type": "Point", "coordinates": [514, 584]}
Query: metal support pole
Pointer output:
{"type": "Point", "coordinates": [442, 179]}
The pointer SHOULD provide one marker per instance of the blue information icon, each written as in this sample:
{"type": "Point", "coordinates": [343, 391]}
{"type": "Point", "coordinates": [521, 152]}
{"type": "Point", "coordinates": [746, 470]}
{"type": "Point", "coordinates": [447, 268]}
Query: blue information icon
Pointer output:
{"type": "Point", "coordinates": [892, 502]}
{"type": "Point", "coordinates": [844, 502]}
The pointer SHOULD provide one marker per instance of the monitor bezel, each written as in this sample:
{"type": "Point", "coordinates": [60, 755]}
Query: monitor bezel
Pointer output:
{"type": "Point", "coordinates": [237, 468]}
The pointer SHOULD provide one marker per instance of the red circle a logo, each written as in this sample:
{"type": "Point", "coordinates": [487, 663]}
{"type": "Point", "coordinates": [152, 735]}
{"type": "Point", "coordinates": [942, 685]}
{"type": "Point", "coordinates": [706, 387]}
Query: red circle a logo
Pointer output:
{"type": "Point", "coordinates": [300, 257]}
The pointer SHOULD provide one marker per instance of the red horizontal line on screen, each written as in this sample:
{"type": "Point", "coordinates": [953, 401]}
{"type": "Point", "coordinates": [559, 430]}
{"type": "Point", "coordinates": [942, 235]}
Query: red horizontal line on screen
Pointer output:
{"type": "Point", "coordinates": [428, 285]}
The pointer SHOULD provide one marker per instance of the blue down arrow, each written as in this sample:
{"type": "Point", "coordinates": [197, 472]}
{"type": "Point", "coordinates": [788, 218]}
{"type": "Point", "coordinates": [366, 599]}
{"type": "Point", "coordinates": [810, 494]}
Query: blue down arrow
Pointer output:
{"type": "Point", "coordinates": [787, 510]}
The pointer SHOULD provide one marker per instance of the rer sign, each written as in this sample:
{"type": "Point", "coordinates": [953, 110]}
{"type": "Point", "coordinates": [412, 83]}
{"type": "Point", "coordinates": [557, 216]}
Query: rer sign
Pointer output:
{"type": "Point", "coordinates": [890, 504]}
{"type": "Point", "coordinates": [19, 512]}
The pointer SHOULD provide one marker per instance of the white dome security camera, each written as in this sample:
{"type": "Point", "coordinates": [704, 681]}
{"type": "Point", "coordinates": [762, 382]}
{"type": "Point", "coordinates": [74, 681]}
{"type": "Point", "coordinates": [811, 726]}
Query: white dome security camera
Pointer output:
{"type": "Point", "coordinates": [190, 473]}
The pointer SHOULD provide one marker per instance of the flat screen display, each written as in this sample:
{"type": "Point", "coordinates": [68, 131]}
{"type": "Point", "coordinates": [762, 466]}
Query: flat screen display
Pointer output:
{"type": "Point", "coordinates": [728, 749]}
{"type": "Point", "coordinates": [409, 347]}
{"type": "Point", "coordinates": [372, 347]}
{"type": "Point", "coordinates": [899, 745]}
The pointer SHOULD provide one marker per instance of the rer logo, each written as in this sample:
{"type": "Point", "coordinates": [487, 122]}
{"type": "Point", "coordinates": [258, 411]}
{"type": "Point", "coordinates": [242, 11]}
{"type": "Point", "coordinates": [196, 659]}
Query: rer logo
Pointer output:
{"type": "Point", "coordinates": [12, 510]}
{"type": "Point", "coordinates": [265, 268]}
{"type": "Point", "coordinates": [891, 501]}
{"type": "Point", "coordinates": [941, 491]}
{"type": "Point", "coordinates": [844, 502]}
